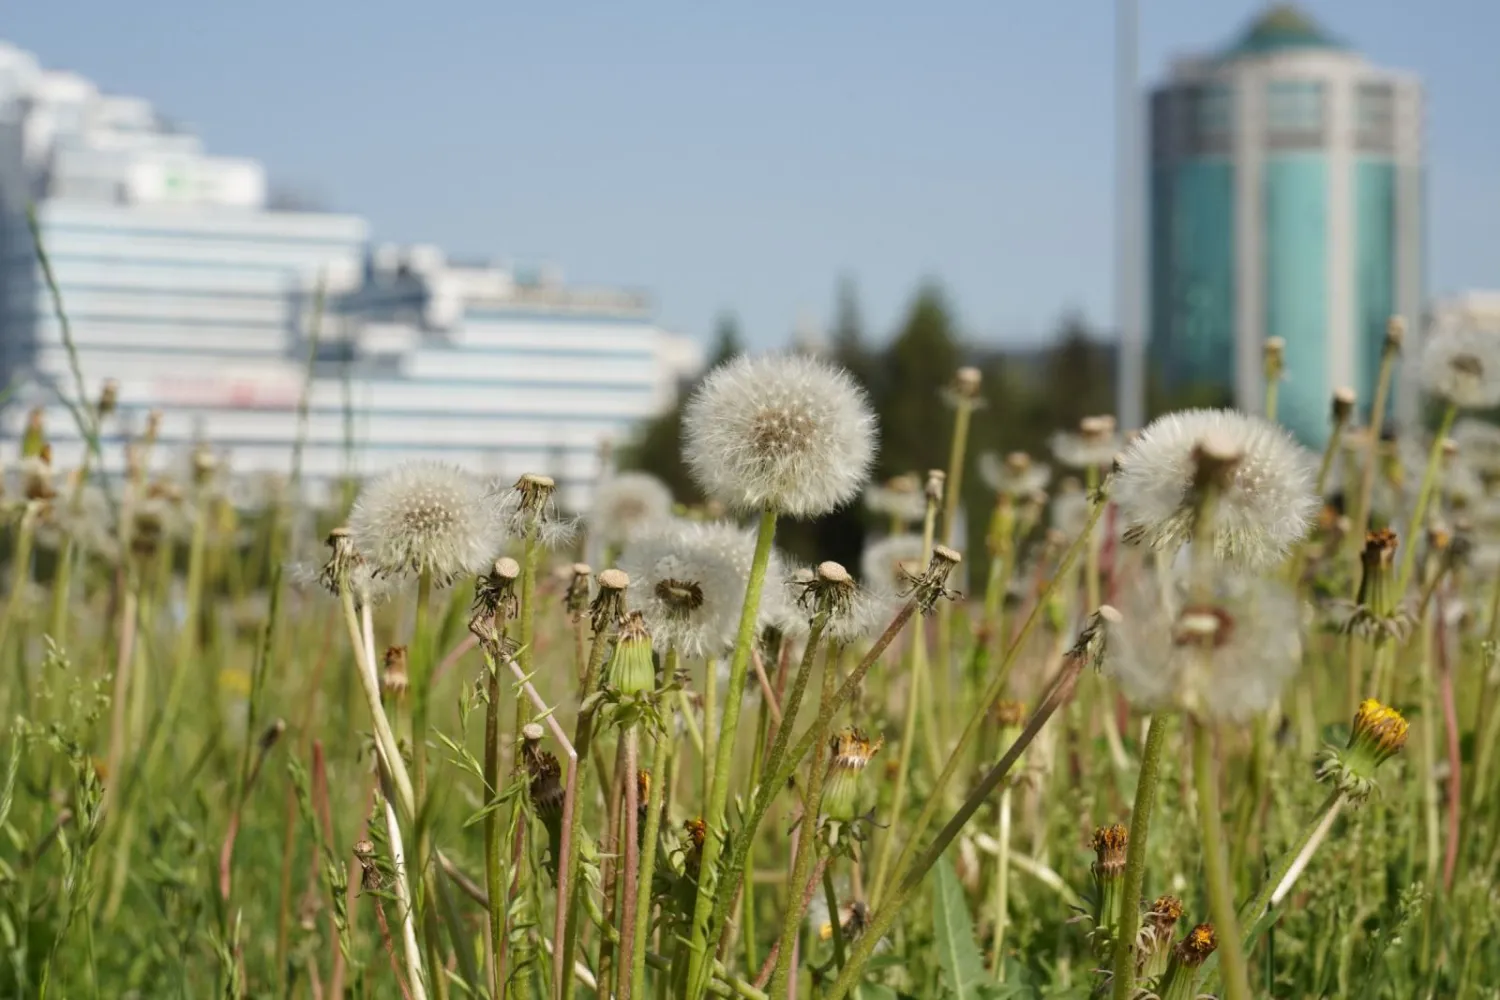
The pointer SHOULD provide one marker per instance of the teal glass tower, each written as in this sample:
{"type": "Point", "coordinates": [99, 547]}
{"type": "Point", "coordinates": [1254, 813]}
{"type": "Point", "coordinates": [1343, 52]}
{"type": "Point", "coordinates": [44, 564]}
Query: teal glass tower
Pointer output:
{"type": "Point", "coordinates": [1285, 200]}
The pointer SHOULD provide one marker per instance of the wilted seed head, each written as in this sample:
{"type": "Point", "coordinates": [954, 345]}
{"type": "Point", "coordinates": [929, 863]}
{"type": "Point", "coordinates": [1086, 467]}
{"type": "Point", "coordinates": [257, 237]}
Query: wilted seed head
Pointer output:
{"type": "Point", "coordinates": [395, 680]}
{"type": "Point", "coordinates": [1343, 405]}
{"type": "Point", "coordinates": [577, 598]}
{"type": "Point", "coordinates": [626, 502]}
{"type": "Point", "coordinates": [631, 669]}
{"type": "Point", "coordinates": [934, 486]}
{"type": "Point", "coordinates": [852, 753]}
{"type": "Point", "coordinates": [1461, 365]}
{"type": "Point", "coordinates": [1378, 734]}
{"type": "Point", "coordinates": [966, 382]}
{"type": "Point", "coordinates": [495, 592]}
{"type": "Point", "coordinates": [1275, 358]}
{"type": "Point", "coordinates": [788, 433]}
{"type": "Point", "coordinates": [425, 517]}
{"type": "Point", "coordinates": [890, 565]}
{"type": "Point", "coordinates": [609, 604]}
{"type": "Point", "coordinates": [1154, 946]}
{"type": "Point", "coordinates": [528, 509]}
{"type": "Point", "coordinates": [932, 586]}
{"type": "Point", "coordinates": [1264, 501]}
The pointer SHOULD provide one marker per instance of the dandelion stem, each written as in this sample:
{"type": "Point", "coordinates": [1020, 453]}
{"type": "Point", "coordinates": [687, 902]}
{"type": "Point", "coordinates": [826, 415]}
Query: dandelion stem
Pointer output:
{"type": "Point", "coordinates": [1377, 421]}
{"type": "Point", "coordinates": [624, 969]}
{"type": "Point", "coordinates": [1216, 869]}
{"type": "Point", "coordinates": [1135, 856]}
{"type": "Point", "coordinates": [493, 878]}
{"type": "Point", "coordinates": [1424, 495]}
{"type": "Point", "coordinates": [659, 766]}
{"type": "Point", "coordinates": [20, 574]}
{"type": "Point", "coordinates": [1000, 902]}
{"type": "Point", "coordinates": [698, 961]}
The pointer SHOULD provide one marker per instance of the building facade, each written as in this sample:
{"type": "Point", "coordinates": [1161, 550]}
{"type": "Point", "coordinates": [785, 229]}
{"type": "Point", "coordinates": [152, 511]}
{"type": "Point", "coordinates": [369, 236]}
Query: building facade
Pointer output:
{"type": "Point", "coordinates": [1285, 200]}
{"type": "Point", "coordinates": [182, 283]}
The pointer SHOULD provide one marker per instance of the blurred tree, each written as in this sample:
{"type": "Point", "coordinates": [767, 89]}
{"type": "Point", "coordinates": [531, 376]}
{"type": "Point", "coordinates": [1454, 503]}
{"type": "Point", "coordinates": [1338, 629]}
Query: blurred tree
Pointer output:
{"type": "Point", "coordinates": [849, 347]}
{"type": "Point", "coordinates": [918, 365]}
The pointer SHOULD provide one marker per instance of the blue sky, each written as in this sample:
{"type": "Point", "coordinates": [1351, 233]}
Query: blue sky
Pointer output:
{"type": "Point", "coordinates": [744, 157]}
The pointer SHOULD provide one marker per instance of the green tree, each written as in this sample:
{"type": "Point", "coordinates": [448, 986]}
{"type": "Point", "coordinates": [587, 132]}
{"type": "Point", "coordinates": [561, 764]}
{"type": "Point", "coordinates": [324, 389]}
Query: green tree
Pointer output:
{"type": "Point", "coordinates": [915, 369]}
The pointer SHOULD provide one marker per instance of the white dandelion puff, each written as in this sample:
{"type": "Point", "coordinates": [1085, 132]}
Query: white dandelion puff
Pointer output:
{"type": "Point", "coordinates": [529, 506]}
{"type": "Point", "coordinates": [626, 502]}
{"type": "Point", "coordinates": [890, 565]}
{"type": "Point", "coordinates": [1479, 442]}
{"type": "Point", "coordinates": [1265, 508]}
{"type": "Point", "coordinates": [785, 432]}
{"type": "Point", "coordinates": [1226, 656]}
{"type": "Point", "coordinates": [425, 517]}
{"type": "Point", "coordinates": [1461, 364]}
{"type": "Point", "coordinates": [1094, 445]}
{"type": "Point", "coordinates": [901, 499]}
{"type": "Point", "coordinates": [1071, 508]}
{"type": "Point", "coordinates": [688, 580]}
{"type": "Point", "coordinates": [1015, 474]}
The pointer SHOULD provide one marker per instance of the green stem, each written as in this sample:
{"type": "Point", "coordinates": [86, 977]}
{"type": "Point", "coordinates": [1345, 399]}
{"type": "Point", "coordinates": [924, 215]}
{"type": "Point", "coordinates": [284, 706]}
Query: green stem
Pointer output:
{"type": "Point", "coordinates": [630, 894]}
{"type": "Point", "coordinates": [710, 709]}
{"type": "Point", "coordinates": [1000, 904]}
{"type": "Point", "coordinates": [1424, 495]}
{"type": "Point", "coordinates": [659, 766]}
{"type": "Point", "coordinates": [996, 687]}
{"type": "Point", "coordinates": [831, 899]}
{"type": "Point", "coordinates": [1135, 857]}
{"type": "Point", "coordinates": [1252, 911]}
{"type": "Point", "coordinates": [1216, 869]}
{"type": "Point", "coordinates": [493, 870]}
{"type": "Point", "coordinates": [20, 575]}
{"type": "Point", "coordinates": [953, 493]}
{"type": "Point", "coordinates": [1377, 421]}
{"type": "Point", "coordinates": [700, 951]}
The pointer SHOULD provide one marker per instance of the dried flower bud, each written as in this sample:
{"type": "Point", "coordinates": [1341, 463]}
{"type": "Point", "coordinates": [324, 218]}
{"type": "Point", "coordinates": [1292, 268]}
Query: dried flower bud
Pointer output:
{"type": "Point", "coordinates": [934, 487]}
{"type": "Point", "coordinates": [1275, 358]}
{"type": "Point", "coordinates": [109, 397]}
{"type": "Point", "coordinates": [852, 753]}
{"type": "Point", "coordinates": [609, 604]}
{"type": "Point", "coordinates": [931, 586]}
{"type": "Point", "coordinates": [695, 833]}
{"type": "Point", "coordinates": [1154, 949]}
{"type": "Point", "coordinates": [395, 679]}
{"type": "Point", "coordinates": [1110, 844]}
{"type": "Point", "coordinates": [577, 599]}
{"type": "Point", "coordinates": [495, 593]}
{"type": "Point", "coordinates": [966, 382]}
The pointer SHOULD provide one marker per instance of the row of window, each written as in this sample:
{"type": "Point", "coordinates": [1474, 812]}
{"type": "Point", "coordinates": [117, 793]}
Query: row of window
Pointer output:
{"type": "Point", "coordinates": [1295, 106]}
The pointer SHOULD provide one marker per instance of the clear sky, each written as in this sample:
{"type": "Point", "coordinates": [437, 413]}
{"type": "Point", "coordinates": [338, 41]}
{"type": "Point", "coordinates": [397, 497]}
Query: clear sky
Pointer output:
{"type": "Point", "coordinates": [744, 156]}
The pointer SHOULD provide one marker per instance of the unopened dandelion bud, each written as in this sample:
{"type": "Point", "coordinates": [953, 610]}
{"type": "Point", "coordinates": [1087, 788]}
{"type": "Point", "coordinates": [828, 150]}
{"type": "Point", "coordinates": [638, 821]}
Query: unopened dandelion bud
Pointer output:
{"type": "Point", "coordinates": [1395, 334]}
{"type": "Point", "coordinates": [547, 795]}
{"type": "Point", "coordinates": [1181, 979]}
{"type": "Point", "coordinates": [631, 668]}
{"type": "Point", "coordinates": [852, 753]}
{"type": "Point", "coordinates": [1154, 948]}
{"type": "Point", "coordinates": [1343, 405]}
{"type": "Point", "coordinates": [609, 603]}
{"type": "Point", "coordinates": [1376, 561]}
{"type": "Point", "coordinates": [577, 599]}
{"type": "Point", "coordinates": [1275, 358]}
{"type": "Point", "coordinates": [1378, 734]}
{"type": "Point", "coordinates": [1110, 844]}
{"type": "Point", "coordinates": [34, 437]}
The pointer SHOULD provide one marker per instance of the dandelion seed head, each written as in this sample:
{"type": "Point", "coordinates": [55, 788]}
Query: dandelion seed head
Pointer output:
{"type": "Point", "coordinates": [1266, 503]}
{"type": "Point", "coordinates": [688, 581]}
{"type": "Point", "coordinates": [626, 502]}
{"type": "Point", "coordinates": [1094, 445]}
{"type": "Point", "coordinates": [900, 499]}
{"type": "Point", "coordinates": [890, 565]}
{"type": "Point", "coordinates": [425, 517]}
{"type": "Point", "coordinates": [854, 612]}
{"type": "Point", "coordinates": [1015, 474]}
{"type": "Point", "coordinates": [785, 432]}
{"type": "Point", "coordinates": [529, 506]}
{"type": "Point", "coordinates": [1226, 655]}
{"type": "Point", "coordinates": [1461, 365]}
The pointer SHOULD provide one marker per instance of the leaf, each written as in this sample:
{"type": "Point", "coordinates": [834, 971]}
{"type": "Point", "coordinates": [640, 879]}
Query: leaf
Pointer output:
{"type": "Point", "coordinates": [957, 953]}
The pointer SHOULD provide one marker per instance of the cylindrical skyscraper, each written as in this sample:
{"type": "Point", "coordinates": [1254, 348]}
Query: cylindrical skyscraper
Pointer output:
{"type": "Point", "coordinates": [1286, 201]}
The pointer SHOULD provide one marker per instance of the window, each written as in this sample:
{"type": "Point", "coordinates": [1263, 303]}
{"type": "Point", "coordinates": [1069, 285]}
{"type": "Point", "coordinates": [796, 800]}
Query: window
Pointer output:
{"type": "Point", "coordinates": [1294, 106]}
{"type": "Point", "coordinates": [1213, 110]}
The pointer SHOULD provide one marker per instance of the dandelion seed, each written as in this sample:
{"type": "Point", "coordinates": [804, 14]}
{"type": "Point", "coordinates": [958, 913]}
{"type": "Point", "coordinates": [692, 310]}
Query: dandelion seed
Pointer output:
{"type": "Point", "coordinates": [787, 433]}
{"type": "Point", "coordinates": [627, 502]}
{"type": "Point", "coordinates": [688, 581]}
{"type": "Point", "coordinates": [1264, 506]}
{"type": "Point", "coordinates": [1461, 365]}
{"type": "Point", "coordinates": [1015, 475]}
{"type": "Point", "coordinates": [425, 517]}
{"type": "Point", "coordinates": [1225, 656]}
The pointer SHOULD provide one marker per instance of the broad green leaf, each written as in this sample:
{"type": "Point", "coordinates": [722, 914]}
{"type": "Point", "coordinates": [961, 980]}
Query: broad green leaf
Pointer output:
{"type": "Point", "coordinates": [958, 955]}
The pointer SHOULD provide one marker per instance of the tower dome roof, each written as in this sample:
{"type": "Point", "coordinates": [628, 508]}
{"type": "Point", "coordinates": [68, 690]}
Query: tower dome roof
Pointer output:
{"type": "Point", "coordinates": [1278, 28]}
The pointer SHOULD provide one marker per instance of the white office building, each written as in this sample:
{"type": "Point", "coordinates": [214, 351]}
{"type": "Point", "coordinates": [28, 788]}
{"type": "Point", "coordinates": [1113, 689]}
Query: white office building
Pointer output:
{"type": "Point", "coordinates": [180, 282]}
